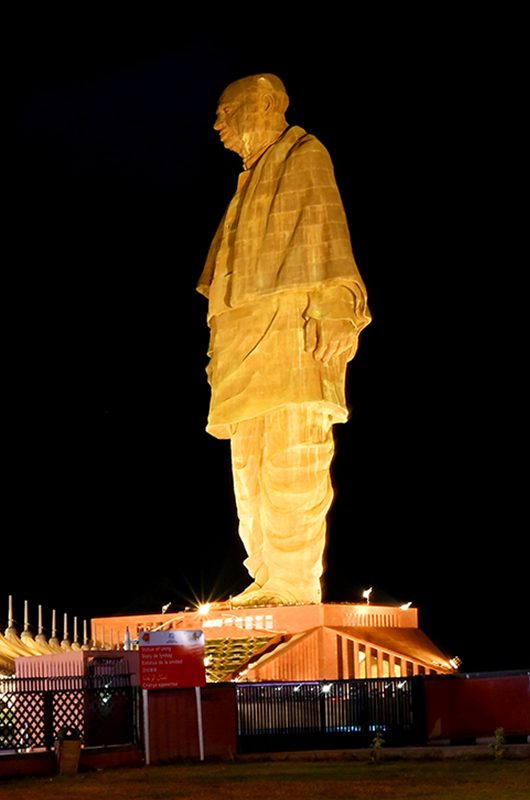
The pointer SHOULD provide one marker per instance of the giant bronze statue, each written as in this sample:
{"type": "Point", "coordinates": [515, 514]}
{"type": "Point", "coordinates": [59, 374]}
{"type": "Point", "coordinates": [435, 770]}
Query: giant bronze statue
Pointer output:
{"type": "Point", "coordinates": [286, 305]}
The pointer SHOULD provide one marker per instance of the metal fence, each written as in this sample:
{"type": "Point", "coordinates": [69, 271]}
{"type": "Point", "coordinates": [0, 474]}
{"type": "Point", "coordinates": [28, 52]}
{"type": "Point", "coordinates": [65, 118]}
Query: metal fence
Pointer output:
{"type": "Point", "coordinates": [328, 714]}
{"type": "Point", "coordinates": [104, 709]}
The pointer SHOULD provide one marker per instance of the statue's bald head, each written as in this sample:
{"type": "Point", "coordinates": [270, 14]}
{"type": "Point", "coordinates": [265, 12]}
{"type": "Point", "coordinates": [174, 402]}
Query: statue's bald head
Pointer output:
{"type": "Point", "coordinates": [264, 83]}
{"type": "Point", "coordinates": [251, 113]}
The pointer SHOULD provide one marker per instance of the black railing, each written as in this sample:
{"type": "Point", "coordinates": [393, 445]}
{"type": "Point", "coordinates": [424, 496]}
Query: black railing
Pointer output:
{"type": "Point", "coordinates": [271, 716]}
{"type": "Point", "coordinates": [33, 711]}
{"type": "Point", "coordinates": [329, 714]}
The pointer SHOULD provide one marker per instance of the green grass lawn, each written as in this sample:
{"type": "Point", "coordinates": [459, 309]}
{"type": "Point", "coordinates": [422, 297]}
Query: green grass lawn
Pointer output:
{"type": "Point", "coordinates": [301, 780]}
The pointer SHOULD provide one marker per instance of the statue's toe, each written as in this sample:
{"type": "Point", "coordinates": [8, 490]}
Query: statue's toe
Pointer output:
{"type": "Point", "coordinates": [261, 597]}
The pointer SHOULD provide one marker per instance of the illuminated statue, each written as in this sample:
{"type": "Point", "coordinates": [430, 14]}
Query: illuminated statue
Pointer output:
{"type": "Point", "coordinates": [286, 306]}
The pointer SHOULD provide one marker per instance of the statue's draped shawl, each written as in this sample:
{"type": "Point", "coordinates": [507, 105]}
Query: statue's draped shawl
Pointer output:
{"type": "Point", "coordinates": [281, 256]}
{"type": "Point", "coordinates": [290, 231]}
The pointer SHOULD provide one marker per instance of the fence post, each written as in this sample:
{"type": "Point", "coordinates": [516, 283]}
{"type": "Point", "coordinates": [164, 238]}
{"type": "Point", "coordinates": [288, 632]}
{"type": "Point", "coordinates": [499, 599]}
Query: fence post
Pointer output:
{"type": "Point", "coordinates": [419, 710]}
{"type": "Point", "coordinates": [49, 737]}
{"type": "Point", "coordinates": [322, 710]}
{"type": "Point", "coordinates": [364, 711]}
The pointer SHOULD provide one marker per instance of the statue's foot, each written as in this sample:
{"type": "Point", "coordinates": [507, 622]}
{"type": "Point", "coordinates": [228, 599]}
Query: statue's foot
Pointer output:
{"type": "Point", "coordinates": [253, 587]}
{"type": "Point", "coordinates": [260, 578]}
{"type": "Point", "coordinates": [261, 598]}
{"type": "Point", "coordinates": [272, 593]}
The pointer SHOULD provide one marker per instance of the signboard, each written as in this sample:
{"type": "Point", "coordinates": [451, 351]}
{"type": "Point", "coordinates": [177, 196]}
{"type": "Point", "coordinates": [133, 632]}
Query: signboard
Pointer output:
{"type": "Point", "coordinates": [171, 659]}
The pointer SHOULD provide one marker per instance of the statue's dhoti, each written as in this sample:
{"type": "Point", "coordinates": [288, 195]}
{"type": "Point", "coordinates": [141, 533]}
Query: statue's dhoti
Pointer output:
{"type": "Point", "coordinates": [283, 490]}
{"type": "Point", "coordinates": [277, 405]}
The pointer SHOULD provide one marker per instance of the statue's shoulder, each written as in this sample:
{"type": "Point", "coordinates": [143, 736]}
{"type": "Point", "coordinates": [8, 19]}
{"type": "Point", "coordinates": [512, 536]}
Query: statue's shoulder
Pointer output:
{"type": "Point", "coordinates": [297, 153]}
{"type": "Point", "coordinates": [296, 138]}
{"type": "Point", "coordinates": [306, 147]}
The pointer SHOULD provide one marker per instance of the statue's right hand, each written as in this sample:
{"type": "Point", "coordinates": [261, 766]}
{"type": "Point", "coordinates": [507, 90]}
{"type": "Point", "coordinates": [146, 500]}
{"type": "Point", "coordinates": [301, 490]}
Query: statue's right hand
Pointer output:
{"type": "Point", "coordinates": [330, 338]}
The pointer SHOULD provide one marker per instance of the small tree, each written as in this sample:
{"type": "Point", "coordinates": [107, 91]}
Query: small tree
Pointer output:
{"type": "Point", "coordinates": [499, 744]}
{"type": "Point", "coordinates": [377, 745]}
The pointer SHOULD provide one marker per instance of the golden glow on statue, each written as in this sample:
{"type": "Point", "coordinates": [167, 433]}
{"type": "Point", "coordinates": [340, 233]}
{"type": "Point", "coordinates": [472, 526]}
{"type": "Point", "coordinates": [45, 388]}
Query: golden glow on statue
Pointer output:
{"type": "Point", "coordinates": [286, 305]}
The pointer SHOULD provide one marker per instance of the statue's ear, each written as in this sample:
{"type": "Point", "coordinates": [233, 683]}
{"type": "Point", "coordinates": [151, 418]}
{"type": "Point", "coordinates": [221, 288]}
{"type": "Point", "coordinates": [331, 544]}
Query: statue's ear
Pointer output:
{"type": "Point", "coordinates": [267, 103]}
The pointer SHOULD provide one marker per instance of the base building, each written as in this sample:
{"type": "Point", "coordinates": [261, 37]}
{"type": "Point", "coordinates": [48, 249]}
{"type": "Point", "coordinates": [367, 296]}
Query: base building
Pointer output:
{"type": "Point", "coordinates": [326, 641]}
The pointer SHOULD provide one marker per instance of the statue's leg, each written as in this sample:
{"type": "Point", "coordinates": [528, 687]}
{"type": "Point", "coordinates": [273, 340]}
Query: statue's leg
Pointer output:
{"type": "Point", "coordinates": [246, 445]}
{"type": "Point", "coordinates": [295, 494]}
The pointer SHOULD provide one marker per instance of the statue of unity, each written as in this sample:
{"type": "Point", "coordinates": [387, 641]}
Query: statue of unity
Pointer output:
{"type": "Point", "coordinates": [286, 305]}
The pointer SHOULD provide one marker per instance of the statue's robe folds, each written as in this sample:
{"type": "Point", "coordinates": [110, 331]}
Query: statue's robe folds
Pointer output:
{"type": "Point", "coordinates": [280, 262]}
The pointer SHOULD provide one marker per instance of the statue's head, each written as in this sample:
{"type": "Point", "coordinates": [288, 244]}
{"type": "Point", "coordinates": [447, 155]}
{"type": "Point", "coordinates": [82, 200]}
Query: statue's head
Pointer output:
{"type": "Point", "coordinates": [251, 111]}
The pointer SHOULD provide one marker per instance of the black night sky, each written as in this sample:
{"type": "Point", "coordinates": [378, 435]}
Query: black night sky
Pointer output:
{"type": "Point", "coordinates": [115, 498]}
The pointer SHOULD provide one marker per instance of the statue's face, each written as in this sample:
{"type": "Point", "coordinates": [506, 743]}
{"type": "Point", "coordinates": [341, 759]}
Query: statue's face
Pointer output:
{"type": "Point", "coordinates": [240, 116]}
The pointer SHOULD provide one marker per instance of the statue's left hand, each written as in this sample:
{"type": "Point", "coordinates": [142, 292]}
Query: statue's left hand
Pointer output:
{"type": "Point", "coordinates": [329, 338]}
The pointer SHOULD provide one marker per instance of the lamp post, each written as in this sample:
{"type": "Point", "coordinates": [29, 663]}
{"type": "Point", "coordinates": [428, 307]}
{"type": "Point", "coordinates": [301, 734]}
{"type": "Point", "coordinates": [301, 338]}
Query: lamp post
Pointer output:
{"type": "Point", "coordinates": [366, 595]}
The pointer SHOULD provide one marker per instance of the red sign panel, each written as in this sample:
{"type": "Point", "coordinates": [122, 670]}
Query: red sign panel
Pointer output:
{"type": "Point", "coordinates": [171, 659]}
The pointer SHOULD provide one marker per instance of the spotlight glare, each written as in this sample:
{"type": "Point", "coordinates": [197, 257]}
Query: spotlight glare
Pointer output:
{"type": "Point", "coordinates": [204, 609]}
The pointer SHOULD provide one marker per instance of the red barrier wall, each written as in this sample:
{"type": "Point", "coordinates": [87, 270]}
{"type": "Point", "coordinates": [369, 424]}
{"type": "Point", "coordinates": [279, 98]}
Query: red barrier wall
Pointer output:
{"type": "Point", "coordinates": [45, 763]}
{"type": "Point", "coordinates": [460, 707]}
{"type": "Point", "coordinates": [173, 728]}
{"type": "Point", "coordinates": [21, 764]}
